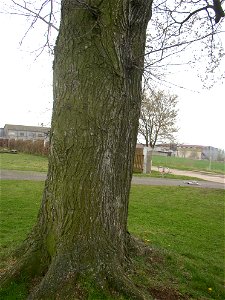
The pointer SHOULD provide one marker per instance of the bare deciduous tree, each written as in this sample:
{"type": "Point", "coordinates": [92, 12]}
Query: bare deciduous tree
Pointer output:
{"type": "Point", "coordinates": [157, 121]}
{"type": "Point", "coordinates": [158, 118]}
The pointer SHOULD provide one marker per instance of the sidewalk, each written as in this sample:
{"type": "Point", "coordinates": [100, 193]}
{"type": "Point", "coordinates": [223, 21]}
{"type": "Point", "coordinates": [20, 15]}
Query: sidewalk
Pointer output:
{"type": "Point", "coordinates": [198, 174]}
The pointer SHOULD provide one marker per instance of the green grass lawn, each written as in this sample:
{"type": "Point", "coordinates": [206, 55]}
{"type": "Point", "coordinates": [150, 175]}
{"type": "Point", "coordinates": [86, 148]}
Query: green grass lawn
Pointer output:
{"type": "Point", "coordinates": [183, 225]}
{"type": "Point", "coordinates": [29, 162]}
{"type": "Point", "coordinates": [23, 162]}
{"type": "Point", "coordinates": [189, 224]}
{"type": "Point", "coordinates": [19, 204]}
{"type": "Point", "coordinates": [188, 164]}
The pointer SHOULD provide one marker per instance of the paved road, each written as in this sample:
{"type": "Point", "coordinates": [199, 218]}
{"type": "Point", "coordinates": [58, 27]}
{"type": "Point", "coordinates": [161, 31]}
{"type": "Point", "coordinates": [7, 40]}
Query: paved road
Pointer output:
{"type": "Point", "coordinates": [176, 182]}
{"type": "Point", "coordinates": [40, 176]}
{"type": "Point", "coordinates": [22, 175]}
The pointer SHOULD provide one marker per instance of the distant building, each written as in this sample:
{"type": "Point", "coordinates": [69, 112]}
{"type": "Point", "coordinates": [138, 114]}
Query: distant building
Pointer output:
{"type": "Point", "coordinates": [161, 149]}
{"type": "Point", "coordinates": [198, 152]}
{"type": "Point", "coordinates": [168, 149]}
{"type": "Point", "coordinates": [190, 151]}
{"type": "Point", "coordinates": [210, 152]}
{"type": "Point", "coordinates": [1, 133]}
{"type": "Point", "coordinates": [21, 132]}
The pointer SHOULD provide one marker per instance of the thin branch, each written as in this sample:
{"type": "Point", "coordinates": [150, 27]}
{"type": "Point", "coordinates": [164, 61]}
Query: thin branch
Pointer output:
{"type": "Point", "coordinates": [180, 44]}
{"type": "Point", "coordinates": [36, 15]}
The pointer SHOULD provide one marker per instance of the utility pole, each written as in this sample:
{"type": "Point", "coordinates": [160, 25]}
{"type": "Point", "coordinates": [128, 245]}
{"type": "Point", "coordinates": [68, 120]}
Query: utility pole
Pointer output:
{"type": "Point", "coordinates": [210, 158]}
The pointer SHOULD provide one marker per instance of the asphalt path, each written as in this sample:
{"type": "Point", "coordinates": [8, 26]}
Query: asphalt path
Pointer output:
{"type": "Point", "coordinates": [22, 175]}
{"type": "Point", "coordinates": [208, 176]}
{"type": "Point", "coordinates": [41, 176]}
{"type": "Point", "coordinates": [176, 182]}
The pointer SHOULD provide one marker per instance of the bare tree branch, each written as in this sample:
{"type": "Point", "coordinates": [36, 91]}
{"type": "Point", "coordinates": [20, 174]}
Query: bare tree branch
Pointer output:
{"type": "Point", "coordinates": [174, 27]}
{"type": "Point", "coordinates": [158, 117]}
{"type": "Point", "coordinates": [37, 15]}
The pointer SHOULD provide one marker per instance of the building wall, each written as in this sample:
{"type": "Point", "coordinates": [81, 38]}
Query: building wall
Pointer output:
{"type": "Point", "coordinates": [210, 153]}
{"type": "Point", "coordinates": [25, 135]}
{"type": "Point", "coordinates": [20, 132]}
{"type": "Point", "coordinates": [1, 132]}
{"type": "Point", "coordinates": [192, 153]}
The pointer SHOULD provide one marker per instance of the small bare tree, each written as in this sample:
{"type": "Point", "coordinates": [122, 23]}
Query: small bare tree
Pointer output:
{"type": "Point", "coordinates": [158, 117]}
{"type": "Point", "coordinates": [157, 120]}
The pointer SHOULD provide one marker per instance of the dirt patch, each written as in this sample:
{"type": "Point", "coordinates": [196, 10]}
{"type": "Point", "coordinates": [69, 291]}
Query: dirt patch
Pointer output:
{"type": "Point", "coordinates": [166, 294]}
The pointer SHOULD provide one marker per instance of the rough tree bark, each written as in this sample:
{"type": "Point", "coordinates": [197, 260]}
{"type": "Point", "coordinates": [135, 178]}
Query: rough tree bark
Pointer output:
{"type": "Point", "coordinates": [81, 229]}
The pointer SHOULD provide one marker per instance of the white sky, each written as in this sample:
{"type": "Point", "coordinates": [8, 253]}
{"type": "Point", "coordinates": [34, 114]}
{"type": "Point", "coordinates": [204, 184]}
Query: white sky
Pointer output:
{"type": "Point", "coordinates": [26, 91]}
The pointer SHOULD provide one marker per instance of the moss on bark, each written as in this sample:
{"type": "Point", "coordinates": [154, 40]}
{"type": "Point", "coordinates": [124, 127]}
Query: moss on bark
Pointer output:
{"type": "Point", "coordinates": [81, 230]}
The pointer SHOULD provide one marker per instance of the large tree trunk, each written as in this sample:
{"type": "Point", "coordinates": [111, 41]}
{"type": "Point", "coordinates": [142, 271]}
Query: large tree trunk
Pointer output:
{"type": "Point", "coordinates": [82, 224]}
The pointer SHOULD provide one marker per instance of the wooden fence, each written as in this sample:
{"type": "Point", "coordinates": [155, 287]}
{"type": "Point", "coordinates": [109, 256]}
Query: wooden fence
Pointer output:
{"type": "Point", "coordinates": [138, 161]}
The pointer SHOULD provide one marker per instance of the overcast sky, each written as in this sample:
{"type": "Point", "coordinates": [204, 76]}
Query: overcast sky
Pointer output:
{"type": "Point", "coordinates": [26, 90]}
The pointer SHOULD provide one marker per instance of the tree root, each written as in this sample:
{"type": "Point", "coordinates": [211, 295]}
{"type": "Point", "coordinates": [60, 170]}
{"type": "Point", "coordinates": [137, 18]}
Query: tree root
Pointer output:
{"type": "Point", "coordinates": [65, 278]}
{"type": "Point", "coordinates": [28, 261]}
{"type": "Point", "coordinates": [122, 284]}
{"type": "Point", "coordinates": [75, 286]}
{"type": "Point", "coordinates": [137, 246]}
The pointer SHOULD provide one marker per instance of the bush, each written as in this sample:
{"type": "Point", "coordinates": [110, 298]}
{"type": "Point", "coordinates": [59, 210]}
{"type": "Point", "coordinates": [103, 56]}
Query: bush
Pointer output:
{"type": "Point", "coordinates": [31, 147]}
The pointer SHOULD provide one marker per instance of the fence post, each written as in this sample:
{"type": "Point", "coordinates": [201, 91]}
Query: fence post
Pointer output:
{"type": "Point", "coordinates": [147, 151]}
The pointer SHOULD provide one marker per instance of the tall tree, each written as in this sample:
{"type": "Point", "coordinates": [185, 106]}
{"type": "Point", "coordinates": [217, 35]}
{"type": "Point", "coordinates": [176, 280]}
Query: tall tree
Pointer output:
{"type": "Point", "coordinates": [81, 230]}
{"type": "Point", "coordinates": [158, 118]}
{"type": "Point", "coordinates": [82, 224]}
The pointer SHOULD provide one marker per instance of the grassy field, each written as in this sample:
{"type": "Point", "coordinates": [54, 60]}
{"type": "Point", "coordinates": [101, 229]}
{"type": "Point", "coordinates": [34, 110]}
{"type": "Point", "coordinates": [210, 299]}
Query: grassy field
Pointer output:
{"type": "Point", "coordinates": [23, 162]}
{"type": "Point", "coordinates": [28, 162]}
{"type": "Point", "coordinates": [19, 204]}
{"type": "Point", "coordinates": [183, 226]}
{"type": "Point", "coordinates": [188, 164]}
{"type": "Point", "coordinates": [188, 223]}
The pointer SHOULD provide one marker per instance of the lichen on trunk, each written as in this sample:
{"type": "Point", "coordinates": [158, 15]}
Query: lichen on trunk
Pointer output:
{"type": "Point", "coordinates": [81, 229]}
